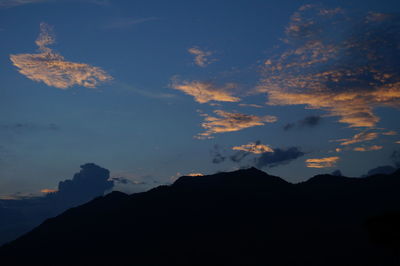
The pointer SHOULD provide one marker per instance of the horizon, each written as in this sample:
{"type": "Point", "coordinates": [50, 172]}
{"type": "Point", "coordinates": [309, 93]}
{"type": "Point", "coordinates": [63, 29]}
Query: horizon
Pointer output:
{"type": "Point", "coordinates": [152, 90]}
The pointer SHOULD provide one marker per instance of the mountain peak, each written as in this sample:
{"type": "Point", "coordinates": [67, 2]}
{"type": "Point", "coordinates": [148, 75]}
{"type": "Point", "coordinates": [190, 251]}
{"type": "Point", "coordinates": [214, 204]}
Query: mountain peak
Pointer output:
{"type": "Point", "coordinates": [239, 179]}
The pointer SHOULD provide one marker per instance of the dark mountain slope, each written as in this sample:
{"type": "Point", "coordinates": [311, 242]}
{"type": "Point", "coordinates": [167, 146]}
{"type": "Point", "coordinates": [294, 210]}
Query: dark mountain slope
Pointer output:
{"type": "Point", "coordinates": [246, 217]}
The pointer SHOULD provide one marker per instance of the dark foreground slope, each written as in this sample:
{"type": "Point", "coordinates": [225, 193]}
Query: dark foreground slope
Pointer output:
{"type": "Point", "coordinates": [240, 218]}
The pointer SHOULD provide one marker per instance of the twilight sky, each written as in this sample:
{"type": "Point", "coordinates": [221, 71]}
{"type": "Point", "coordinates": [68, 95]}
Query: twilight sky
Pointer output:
{"type": "Point", "coordinates": [152, 90]}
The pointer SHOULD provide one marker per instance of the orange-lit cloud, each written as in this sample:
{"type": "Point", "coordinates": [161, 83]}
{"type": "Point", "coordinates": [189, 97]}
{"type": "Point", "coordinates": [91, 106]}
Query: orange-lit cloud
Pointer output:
{"type": "Point", "coordinates": [250, 105]}
{"type": "Point", "coordinates": [255, 148]}
{"type": "Point", "coordinates": [204, 92]}
{"type": "Point", "coordinates": [201, 57]}
{"type": "Point", "coordinates": [322, 162]}
{"type": "Point", "coordinates": [195, 174]}
{"type": "Point", "coordinates": [390, 133]}
{"type": "Point", "coordinates": [370, 148]}
{"type": "Point", "coordinates": [47, 190]}
{"type": "Point", "coordinates": [230, 122]}
{"type": "Point", "coordinates": [347, 77]}
{"type": "Point", "coordinates": [52, 68]}
{"type": "Point", "coordinates": [359, 137]}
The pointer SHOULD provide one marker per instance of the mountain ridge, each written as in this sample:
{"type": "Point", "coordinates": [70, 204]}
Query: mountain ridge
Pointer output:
{"type": "Point", "coordinates": [245, 217]}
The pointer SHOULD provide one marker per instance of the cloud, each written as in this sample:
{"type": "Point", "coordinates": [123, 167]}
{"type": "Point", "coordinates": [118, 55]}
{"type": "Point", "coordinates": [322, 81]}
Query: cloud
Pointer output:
{"type": "Point", "coordinates": [250, 105]}
{"type": "Point", "coordinates": [14, 3]}
{"type": "Point", "coordinates": [52, 69]}
{"type": "Point", "coordinates": [230, 122]}
{"type": "Point", "coordinates": [390, 133]}
{"type": "Point", "coordinates": [200, 58]}
{"type": "Point", "coordinates": [395, 157]}
{"type": "Point", "coordinates": [359, 137]}
{"type": "Point", "coordinates": [309, 121]}
{"type": "Point", "coordinates": [128, 22]}
{"type": "Point", "coordinates": [195, 174]}
{"type": "Point", "coordinates": [385, 169]}
{"type": "Point", "coordinates": [370, 148]}
{"type": "Point", "coordinates": [337, 173]}
{"type": "Point", "coordinates": [204, 92]}
{"type": "Point", "coordinates": [253, 147]}
{"type": "Point", "coordinates": [344, 64]}
{"type": "Point", "coordinates": [322, 162]}
{"type": "Point", "coordinates": [278, 157]}
{"type": "Point", "coordinates": [91, 181]}
{"type": "Point", "coordinates": [217, 157]}
{"type": "Point", "coordinates": [48, 190]}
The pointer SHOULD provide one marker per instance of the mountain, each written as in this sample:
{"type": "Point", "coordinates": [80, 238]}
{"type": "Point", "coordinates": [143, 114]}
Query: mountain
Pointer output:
{"type": "Point", "coordinates": [245, 217]}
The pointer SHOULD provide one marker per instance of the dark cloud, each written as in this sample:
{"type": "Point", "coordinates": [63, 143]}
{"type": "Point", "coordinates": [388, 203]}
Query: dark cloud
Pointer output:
{"type": "Point", "coordinates": [22, 127]}
{"type": "Point", "coordinates": [217, 157]}
{"type": "Point", "coordinates": [90, 182]}
{"type": "Point", "coordinates": [289, 126]}
{"type": "Point", "coordinates": [126, 181]}
{"type": "Point", "coordinates": [337, 173]}
{"type": "Point", "coordinates": [386, 169]}
{"type": "Point", "coordinates": [278, 157]}
{"type": "Point", "coordinates": [239, 156]}
{"type": "Point", "coordinates": [309, 121]}
{"type": "Point", "coordinates": [395, 157]}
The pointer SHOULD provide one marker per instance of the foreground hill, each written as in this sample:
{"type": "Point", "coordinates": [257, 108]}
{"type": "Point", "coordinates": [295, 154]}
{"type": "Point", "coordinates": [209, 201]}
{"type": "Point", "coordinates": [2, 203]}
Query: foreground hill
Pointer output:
{"type": "Point", "coordinates": [246, 217]}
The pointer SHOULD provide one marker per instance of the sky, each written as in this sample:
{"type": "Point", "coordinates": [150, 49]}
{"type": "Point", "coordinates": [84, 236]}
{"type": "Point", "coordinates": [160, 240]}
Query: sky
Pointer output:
{"type": "Point", "coordinates": [152, 90]}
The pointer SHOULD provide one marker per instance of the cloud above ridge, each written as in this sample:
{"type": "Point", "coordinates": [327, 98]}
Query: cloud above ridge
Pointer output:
{"type": "Point", "coordinates": [345, 65]}
{"type": "Point", "coordinates": [51, 68]}
{"type": "Point", "coordinates": [322, 162]}
{"type": "Point", "coordinates": [230, 122]}
{"type": "Point", "coordinates": [204, 92]}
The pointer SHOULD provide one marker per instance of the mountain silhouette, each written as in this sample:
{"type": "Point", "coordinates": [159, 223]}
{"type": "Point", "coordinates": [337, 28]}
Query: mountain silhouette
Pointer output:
{"type": "Point", "coordinates": [245, 217]}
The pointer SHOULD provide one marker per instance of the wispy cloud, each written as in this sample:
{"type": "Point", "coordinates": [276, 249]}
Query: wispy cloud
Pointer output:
{"type": "Point", "coordinates": [250, 105]}
{"type": "Point", "coordinates": [390, 133]}
{"type": "Point", "coordinates": [122, 23]}
{"type": "Point", "coordinates": [370, 148]}
{"type": "Point", "coordinates": [201, 57]}
{"type": "Point", "coordinates": [309, 121]}
{"type": "Point", "coordinates": [253, 147]}
{"type": "Point", "coordinates": [48, 190]}
{"type": "Point", "coordinates": [230, 122]}
{"type": "Point", "coordinates": [359, 137]}
{"type": "Point", "coordinates": [322, 162]}
{"type": "Point", "coordinates": [52, 69]}
{"type": "Point", "coordinates": [204, 92]}
{"type": "Point", "coordinates": [348, 76]}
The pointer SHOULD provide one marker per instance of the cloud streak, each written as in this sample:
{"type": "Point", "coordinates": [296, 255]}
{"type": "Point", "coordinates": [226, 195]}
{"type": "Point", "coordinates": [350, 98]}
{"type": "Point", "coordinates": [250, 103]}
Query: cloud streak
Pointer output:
{"type": "Point", "coordinates": [370, 148]}
{"type": "Point", "coordinates": [52, 68]}
{"type": "Point", "coordinates": [360, 137]}
{"type": "Point", "coordinates": [204, 92]}
{"type": "Point", "coordinates": [322, 162]}
{"type": "Point", "coordinates": [230, 122]}
{"type": "Point", "coordinates": [128, 22]}
{"type": "Point", "coordinates": [253, 147]}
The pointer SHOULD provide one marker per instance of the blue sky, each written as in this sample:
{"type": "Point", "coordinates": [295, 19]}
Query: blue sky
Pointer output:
{"type": "Point", "coordinates": [156, 89]}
